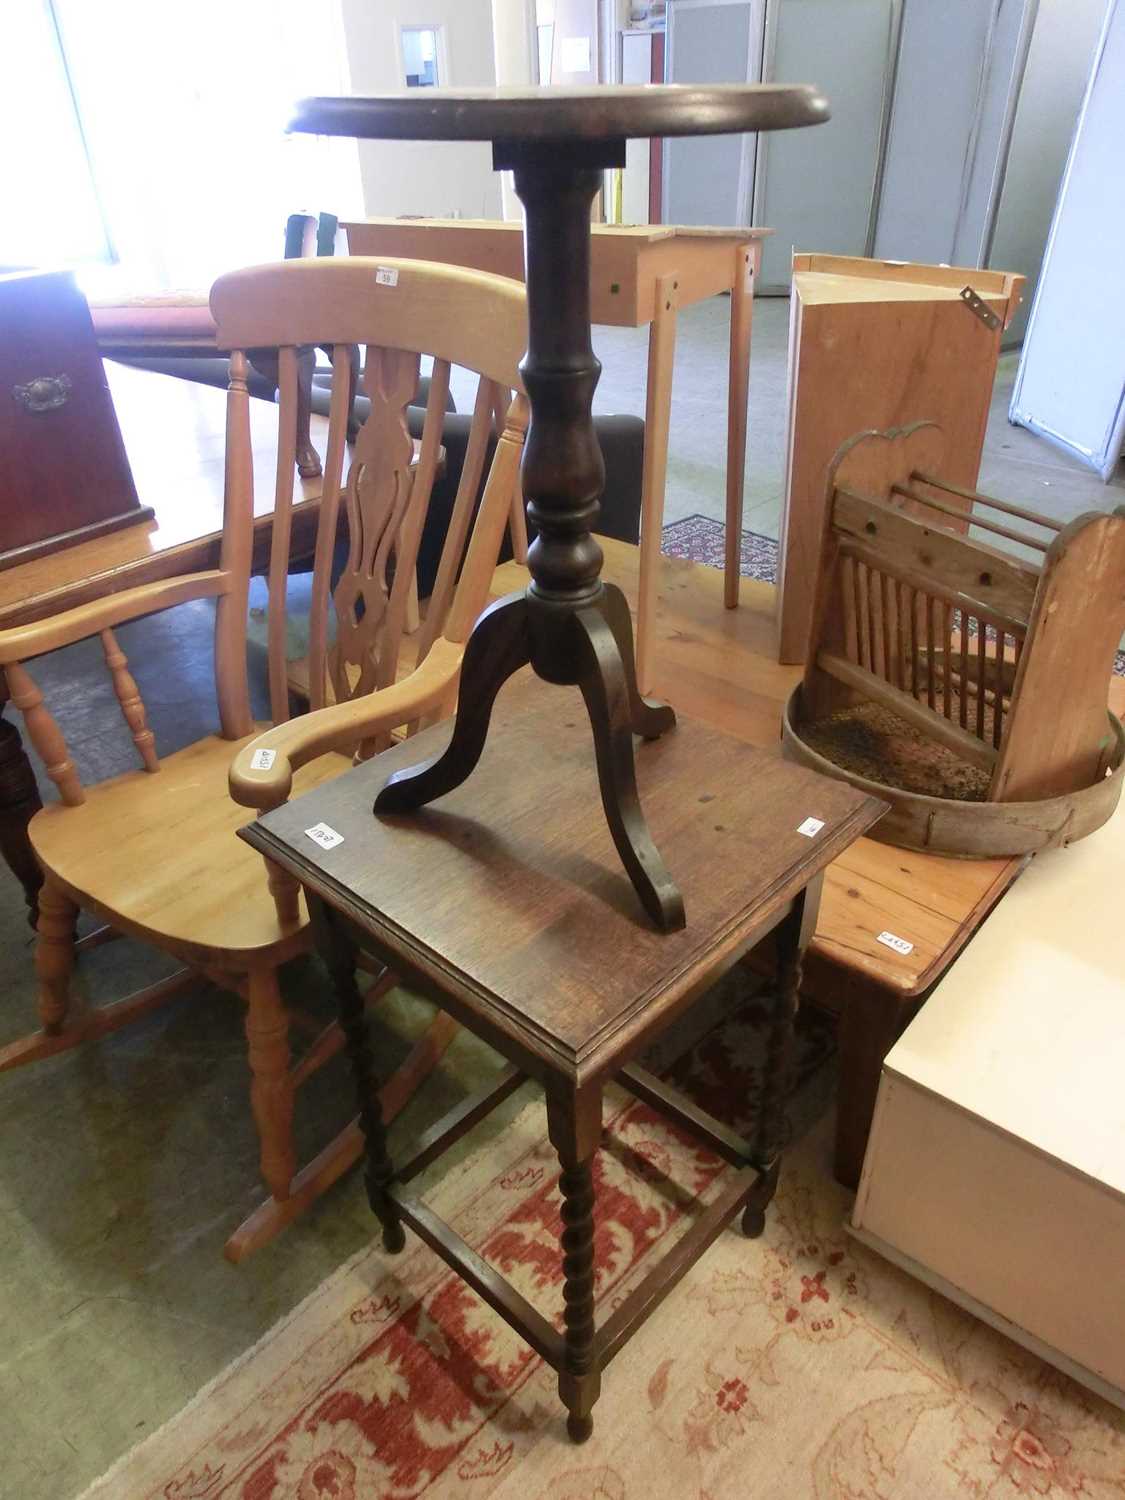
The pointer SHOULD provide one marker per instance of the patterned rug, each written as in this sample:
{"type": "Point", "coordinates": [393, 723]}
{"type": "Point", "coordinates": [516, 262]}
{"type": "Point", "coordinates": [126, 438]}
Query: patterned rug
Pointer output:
{"type": "Point", "coordinates": [701, 540]}
{"type": "Point", "coordinates": [798, 1365]}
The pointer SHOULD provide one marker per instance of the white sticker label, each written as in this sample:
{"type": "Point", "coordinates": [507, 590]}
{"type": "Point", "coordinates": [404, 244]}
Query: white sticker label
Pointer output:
{"type": "Point", "coordinates": [749, 283]}
{"type": "Point", "coordinates": [326, 837]}
{"type": "Point", "coordinates": [811, 827]}
{"type": "Point", "coordinates": [900, 945]}
{"type": "Point", "coordinates": [262, 760]}
{"type": "Point", "coordinates": [386, 276]}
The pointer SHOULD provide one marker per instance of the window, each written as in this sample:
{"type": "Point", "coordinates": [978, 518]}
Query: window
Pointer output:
{"type": "Point", "coordinates": [53, 214]}
{"type": "Point", "coordinates": [149, 159]}
{"type": "Point", "coordinates": [420, 46]}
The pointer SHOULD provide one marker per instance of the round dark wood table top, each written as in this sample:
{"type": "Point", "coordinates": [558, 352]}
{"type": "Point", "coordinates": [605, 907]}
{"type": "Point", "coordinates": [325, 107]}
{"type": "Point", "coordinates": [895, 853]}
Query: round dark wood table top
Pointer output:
{"type": "Point", "coordinates": [602, 113]}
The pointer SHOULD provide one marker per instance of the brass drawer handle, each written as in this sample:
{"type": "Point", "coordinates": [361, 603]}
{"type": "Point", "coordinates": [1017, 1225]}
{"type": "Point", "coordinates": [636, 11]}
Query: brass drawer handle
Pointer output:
{"type": "Point", "coordinates": [44, 393]}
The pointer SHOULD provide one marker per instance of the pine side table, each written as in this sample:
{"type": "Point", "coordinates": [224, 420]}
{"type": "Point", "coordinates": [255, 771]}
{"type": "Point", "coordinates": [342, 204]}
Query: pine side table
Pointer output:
{"type": "Point", "coordinates": [507, 906]}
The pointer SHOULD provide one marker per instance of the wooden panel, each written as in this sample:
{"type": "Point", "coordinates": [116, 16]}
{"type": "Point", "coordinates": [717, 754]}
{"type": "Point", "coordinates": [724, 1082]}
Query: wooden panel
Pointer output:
{"type": "Point", "coordinates": [1001, 285]}
{"type": "Point", "coordinates": [872, 364]}
{"type": "Point", "coordinates": [625, 259]}
{"type": "Point", "coordinates": [1058, 739]}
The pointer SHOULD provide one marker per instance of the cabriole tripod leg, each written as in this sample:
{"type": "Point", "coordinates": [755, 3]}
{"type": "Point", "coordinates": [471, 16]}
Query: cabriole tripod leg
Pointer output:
{"type": "Point", "coordinates": [605, 689]}
{"type": "Point", "coordinates": [497, 647]}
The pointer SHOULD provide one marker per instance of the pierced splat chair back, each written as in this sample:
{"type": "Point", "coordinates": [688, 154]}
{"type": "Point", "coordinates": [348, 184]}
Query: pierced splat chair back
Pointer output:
{"type": "Point", "coordinates": [395, 312]}
{"type": "Point", "coordinates": [1003, 660]}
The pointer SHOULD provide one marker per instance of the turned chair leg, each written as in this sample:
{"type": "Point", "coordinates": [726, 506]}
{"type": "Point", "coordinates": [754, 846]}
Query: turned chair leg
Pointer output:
{"type": "Point", "coordinates": [271, 1085]}
{"type": "Point", "coordinates": [286, 892]}
{"type": "Point", "coordinates": [574, 1123]}
{"type": "Point", "coordinates": [54, 955]}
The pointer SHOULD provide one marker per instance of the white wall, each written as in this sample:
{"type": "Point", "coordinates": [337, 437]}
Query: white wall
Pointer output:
{"type": "Point", "coordinates": [412, 177]}
{"type": "Point", "coordinates": [1058, 64]}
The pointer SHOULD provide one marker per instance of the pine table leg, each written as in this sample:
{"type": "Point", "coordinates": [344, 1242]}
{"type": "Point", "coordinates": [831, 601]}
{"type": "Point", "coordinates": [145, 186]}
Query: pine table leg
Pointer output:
{"type": "Point", "coordinates": [741, 314]}
{"type": "Point", "coordinates": [654, 477]}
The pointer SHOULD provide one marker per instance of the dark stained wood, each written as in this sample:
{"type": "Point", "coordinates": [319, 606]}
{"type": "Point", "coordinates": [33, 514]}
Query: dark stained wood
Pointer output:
{"type": "Point", "coordinates": [563, 624]}
{"type": "Point", "coordinates": [564, 116]}
{"type": "Point", "coordinates": [19, 802]}
{"type": "Point", "coordinates": [341, 960]}
{"type": "Point", "coordinates": [522, 850]}
{"type": "Point", "coordinates": [459, 1121]}
{"type": "Point", "coordinates": [488, 1284]}
{"type": "Point", "coordinates": [557, 142]}
{"type": "Point", "coordinates": [66, 478]}
{"type": "Point", "coordinates": [724, 1141]}
{"type": "Point", "coordinates": [647, 1297]}
{"type": "Point", "coordinates": [507, 906]}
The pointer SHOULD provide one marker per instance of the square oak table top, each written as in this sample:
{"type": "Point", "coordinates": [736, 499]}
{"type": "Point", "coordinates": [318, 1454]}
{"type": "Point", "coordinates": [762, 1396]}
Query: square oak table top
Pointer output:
{"type": "Point", "coordinates": [507, 898]}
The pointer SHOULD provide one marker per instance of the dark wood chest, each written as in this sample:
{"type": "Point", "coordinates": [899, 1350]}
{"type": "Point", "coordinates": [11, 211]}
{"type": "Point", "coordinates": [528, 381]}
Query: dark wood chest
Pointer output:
{"type": "Point", "coordinates": [64, 475]}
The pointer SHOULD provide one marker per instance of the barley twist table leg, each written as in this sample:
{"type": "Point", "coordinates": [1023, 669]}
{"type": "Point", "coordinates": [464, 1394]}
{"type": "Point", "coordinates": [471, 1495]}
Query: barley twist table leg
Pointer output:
{"type": "Point", "coordinates": [379, 1169]}
{"type": "Point", "coordinates": [574, 1125]}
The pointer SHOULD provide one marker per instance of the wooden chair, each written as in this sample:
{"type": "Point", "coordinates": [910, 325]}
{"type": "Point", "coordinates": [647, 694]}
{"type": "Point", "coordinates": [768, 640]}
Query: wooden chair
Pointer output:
{"type": "Point", "coordinates": [1002, 662]}
{"type": "Point", "coordinates": [154, 852]}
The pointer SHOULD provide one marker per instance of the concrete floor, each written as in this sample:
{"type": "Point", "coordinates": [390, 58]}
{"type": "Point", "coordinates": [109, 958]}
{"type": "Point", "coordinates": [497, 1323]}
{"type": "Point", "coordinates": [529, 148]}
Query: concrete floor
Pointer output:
{"type": "Point", "coordinates": [126, 1163]}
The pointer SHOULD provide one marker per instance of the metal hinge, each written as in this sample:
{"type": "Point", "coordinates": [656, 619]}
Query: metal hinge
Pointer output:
{"type": "Point", "coordinates": [980, 308]}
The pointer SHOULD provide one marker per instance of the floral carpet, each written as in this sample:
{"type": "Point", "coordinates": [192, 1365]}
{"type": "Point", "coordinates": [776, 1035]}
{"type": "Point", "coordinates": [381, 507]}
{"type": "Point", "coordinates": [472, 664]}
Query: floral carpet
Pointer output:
{"type": "Point", "coordinates": [797, 1365]}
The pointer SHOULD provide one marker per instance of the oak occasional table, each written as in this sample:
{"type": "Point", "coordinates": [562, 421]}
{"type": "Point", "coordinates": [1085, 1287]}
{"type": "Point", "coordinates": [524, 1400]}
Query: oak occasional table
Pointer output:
{"type": "Point", "coordinates": [570, 627]}
{"type": "Point", "coordinates": [639, 273]}
{"type": "Point", "coordinates": [507, 907]}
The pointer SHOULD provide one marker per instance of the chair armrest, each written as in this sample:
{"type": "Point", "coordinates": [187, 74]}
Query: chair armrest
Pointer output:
{"type": "Point", "coordinates": [340, 727]}
{"type": "Point", "coordinates": [24, 642]}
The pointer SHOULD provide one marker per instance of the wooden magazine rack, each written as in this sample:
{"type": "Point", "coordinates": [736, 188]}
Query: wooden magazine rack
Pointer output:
{"type": "Point", "coordinates": [961, 682]}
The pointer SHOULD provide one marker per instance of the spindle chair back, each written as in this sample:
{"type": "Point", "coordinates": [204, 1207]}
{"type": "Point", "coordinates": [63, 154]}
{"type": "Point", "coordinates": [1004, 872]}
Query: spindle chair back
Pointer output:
{"type": "Point", "coordinates": [154, 852]}
{"type": "Point", "coordinates": [1004, 660]}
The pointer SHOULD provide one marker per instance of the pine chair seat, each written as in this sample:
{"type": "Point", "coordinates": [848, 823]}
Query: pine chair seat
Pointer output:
{"type": "Point", "coordinates": [157, 857]}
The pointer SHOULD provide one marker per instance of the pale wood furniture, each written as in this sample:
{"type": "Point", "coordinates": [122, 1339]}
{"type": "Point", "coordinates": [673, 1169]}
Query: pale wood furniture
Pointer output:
{"type": "Point", "coordinates": [996, 1168]}
{"type": "Point", "coordinates": [639, 274]}
{"type": "Point", "coordinates": [878, 344]}
{"type": "Point", "coordinates": [174, 437]}
{"type": "Point", "coordinates": [567, 625]}
{"type": "Point", "coordinates": [965, 682]}
{"type": "Point", "coordinates": [153, 852]}
{"type": "Point", "coordinates": [478, 906]}
{"type": "Point", "coordinates": [66, 476]}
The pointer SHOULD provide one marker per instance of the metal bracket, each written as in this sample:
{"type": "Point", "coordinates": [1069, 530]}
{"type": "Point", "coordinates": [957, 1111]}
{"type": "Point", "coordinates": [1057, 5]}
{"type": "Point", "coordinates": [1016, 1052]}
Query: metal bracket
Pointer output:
{"type": "Point", "coordinates": [44, 393]}
{"type": "Point", "coordinates": [980, 308]}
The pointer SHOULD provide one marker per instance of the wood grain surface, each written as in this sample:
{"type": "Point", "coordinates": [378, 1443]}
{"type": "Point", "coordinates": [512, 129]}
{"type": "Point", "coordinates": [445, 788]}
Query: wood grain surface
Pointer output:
{"type": "Point", "coordinates": [510, 893]}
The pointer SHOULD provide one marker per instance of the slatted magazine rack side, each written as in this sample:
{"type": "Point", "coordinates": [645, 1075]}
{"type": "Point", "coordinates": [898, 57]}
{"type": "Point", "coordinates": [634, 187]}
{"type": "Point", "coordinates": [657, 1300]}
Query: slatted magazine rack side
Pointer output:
{"type": "Point", "coordinates": [1005, 662]}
